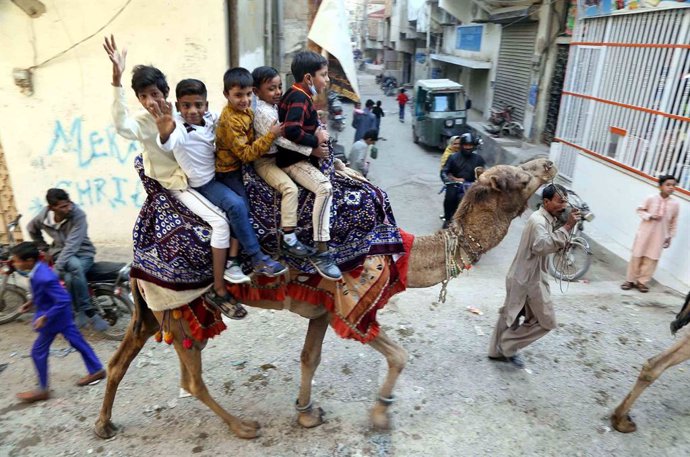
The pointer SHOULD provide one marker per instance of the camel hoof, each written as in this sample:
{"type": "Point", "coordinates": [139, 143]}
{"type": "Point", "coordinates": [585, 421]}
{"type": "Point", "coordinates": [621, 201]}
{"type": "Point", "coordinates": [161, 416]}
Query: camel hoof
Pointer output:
{"type": "Point", "coordinates": [105, 429]}
{"type": "Point", "coordinates": [246, 429]}
{"type": "Point", "coordinates": [623, 424]}
{"type": "Point", "coordinates": [380, 420]}
{"type": "Point", "coordinates": [312, 418]}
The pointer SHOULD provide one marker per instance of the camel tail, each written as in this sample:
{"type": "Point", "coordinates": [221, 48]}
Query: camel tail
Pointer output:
{"type": "Point", "coordinates": [683, 317]}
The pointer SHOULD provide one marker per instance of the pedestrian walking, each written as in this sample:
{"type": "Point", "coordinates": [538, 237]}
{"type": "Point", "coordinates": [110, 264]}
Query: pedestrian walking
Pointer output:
{"type": "Point", "coordinates": [378, 112]}
{"type": "Point", "coordinates": [659, 214]}
{"type": "Point", "coordinates": [402, 101]}
{"type": "Point", "coordinates": [53, 317]}
{"type": "Point", "coordinates": [527, 283]}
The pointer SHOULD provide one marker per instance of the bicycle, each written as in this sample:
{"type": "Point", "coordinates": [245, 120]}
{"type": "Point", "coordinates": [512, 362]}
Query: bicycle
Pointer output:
{"type": "Point", "coordinates": [573, 261]}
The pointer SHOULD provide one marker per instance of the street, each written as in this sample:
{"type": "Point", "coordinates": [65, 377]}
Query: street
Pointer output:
{"type": "Point", "coordinates": [450, 400]}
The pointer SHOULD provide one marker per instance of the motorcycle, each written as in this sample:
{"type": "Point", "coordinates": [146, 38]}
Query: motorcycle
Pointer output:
{"type": "Point", "coordinates": [502, 124]}
{"type": "Point", "coordinates": [389, 86]}
{"type": "Point", "coordinates": [571, 263]}
{"type": "Point", "coordinates": [108, 285]}
{"type": "Point", "coordinates": [335, 112]}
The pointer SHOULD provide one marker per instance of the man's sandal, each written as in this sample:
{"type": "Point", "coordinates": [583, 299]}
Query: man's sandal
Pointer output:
{"type": "Point", "coordinates": [642, 288]}
{"type": "Point", "coordinates": [227, 305]}
{"type": "Point", "coordinates": [627, 285]}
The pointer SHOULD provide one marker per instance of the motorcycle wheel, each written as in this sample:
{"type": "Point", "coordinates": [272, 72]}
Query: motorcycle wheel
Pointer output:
{"type": "Point", "coordinates": [11, 299]}
{"type": "Point", "coordinates": [572, 263]}
{"type": "Point", "coordinates": [116, 310]}
{"type": "Point", "coordinates": [415, 138]}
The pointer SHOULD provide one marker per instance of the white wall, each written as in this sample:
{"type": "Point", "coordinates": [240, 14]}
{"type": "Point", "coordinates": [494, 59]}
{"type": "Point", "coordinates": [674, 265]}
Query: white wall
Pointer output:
{"type": "Point", "coordinates": [613, 197]}
{"type": "Point", "coordinates": [63, 135]}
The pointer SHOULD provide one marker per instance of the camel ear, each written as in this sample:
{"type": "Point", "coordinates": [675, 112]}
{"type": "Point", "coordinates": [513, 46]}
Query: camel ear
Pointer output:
{"type": "Point", "coordinates": [499, 183]}
{"type": "Point", "coordinates": [478, 172]}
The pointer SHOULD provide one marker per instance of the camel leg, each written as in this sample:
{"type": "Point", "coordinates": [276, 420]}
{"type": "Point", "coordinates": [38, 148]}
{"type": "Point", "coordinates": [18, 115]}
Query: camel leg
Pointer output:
{"type": "Point", "coordinates": [117, 367]}
{"type": "Point", "coordinates": [190, 366]}
{"type": "Point", "coordinates": [397, 358]}
{"type": "Point", "coordinates": [311, 357]}
{"type": "Point", "coordinates": [651, 370]}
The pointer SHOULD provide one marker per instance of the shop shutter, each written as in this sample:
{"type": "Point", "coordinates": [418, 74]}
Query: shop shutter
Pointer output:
{"type": "Point", "coordinates": [514, 69]}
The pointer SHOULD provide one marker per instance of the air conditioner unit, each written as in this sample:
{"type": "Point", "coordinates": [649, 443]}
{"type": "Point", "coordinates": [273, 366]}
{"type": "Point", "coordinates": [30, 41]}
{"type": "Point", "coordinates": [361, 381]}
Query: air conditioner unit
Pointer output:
{"type": "Point", "coordinates": [445, 18]}
{"type": "Point", "coordinates": [478, 14]}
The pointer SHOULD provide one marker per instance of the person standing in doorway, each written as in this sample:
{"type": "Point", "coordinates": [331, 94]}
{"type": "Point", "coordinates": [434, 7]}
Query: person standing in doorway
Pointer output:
{"type": "Point", "coordinates": [659, 215]}
{"type": "Point", "coordinates": [527, 283]}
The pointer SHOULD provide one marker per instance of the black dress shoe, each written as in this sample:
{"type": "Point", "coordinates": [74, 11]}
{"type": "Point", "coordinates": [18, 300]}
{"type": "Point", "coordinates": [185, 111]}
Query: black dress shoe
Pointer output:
{"type": "Point", "coordinates": [514, 360]}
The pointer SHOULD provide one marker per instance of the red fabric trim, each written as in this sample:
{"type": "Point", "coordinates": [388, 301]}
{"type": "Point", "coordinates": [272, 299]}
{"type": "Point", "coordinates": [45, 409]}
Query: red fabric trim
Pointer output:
{"type": "Point", "coordinates": [403, 262]}
{"type": "Point", "coordinates": [204, 322]}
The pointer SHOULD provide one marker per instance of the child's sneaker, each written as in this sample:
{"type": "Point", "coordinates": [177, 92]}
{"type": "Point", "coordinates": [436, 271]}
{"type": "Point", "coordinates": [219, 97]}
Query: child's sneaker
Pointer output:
{"type": "Point", "coordinates": [227, 305]}
{"type": "Point", "coordinates": [325, 266]}
{"type": "Point", "coordinates": [298, 250]}
{"type": "Point", "coordinates": [235, 275]}
{"type": "Point", "coordinates": [269, 267]}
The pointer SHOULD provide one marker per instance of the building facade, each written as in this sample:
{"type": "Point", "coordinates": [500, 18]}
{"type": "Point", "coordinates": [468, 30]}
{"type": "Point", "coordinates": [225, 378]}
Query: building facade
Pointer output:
{"type": "Point", "coordinates": [57, 127]}
{"type": "Point", "coordinates": [625, 120]}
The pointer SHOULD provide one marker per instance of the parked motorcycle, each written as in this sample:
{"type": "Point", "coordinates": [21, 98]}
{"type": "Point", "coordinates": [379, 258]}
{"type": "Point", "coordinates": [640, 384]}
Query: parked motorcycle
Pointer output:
{"type": "Point", "coordinates": [390, 86]}
{"type": "Point", "coordinates": [571, 263]}
{"type": "Point", "coordinates": [502, 124]}
{"type": "Point", "coordinates": [335, 112]}
{"type": "Point", "coordinates": [108, 284]}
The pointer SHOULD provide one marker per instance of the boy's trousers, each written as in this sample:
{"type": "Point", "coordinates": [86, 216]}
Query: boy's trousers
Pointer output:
{"type": "Point", "coordinates": [308, 176]}
{"type": "Point", "coordinates": [46, 335]}
{"type": "Point", "coordinates": [279, 180]}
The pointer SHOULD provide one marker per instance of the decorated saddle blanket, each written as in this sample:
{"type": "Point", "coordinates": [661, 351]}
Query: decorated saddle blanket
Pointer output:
{"type": "Point", "coordinates": [362, 221]}
{"type": "Point", "coordinates": [172, 250]}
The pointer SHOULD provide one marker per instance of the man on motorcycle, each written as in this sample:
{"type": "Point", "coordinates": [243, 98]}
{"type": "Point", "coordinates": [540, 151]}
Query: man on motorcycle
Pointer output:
{"type": "Point", "coordinates": [458, 173]}
{"type": "Point", "coordinates": [72, 251]}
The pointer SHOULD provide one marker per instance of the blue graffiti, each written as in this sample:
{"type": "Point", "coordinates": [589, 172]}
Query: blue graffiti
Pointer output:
{"type": "Point", "coordinates": [115, 192]}
{"type": "Point", "coordinates": [101, 145]}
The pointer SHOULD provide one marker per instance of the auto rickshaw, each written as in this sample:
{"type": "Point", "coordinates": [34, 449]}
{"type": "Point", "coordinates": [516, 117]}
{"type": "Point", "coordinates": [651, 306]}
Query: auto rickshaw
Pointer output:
{"type": "Point", "coordinates": [440, 112]}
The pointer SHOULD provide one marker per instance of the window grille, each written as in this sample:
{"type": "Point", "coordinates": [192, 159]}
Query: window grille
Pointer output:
{"type": "Point", "coordinates": [627, 73]}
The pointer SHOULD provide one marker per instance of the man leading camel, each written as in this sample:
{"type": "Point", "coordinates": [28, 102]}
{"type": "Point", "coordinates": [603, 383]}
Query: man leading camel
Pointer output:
{"type": "Point", "coordinates": [527, 285]}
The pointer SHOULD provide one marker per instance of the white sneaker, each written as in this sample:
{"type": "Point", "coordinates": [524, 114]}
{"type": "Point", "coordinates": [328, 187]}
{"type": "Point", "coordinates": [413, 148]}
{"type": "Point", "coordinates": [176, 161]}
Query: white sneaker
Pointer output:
{"type": "Point", "coordinates": [235, 275]}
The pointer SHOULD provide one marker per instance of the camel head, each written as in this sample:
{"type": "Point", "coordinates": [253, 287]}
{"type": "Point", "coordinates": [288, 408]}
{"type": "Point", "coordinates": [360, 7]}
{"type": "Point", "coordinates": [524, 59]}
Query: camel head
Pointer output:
{"type": "Point", "coordinates": [498, 196]}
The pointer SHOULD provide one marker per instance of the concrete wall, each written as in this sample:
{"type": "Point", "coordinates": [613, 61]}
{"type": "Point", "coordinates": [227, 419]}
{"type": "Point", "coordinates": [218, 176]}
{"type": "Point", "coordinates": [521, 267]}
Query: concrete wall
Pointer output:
{"type": "Point", "coordinates": [251, 33]}
{"type": "Point", "coordinates": [615, 224]}
{"type": "Point", "coordinates": [62, 135]}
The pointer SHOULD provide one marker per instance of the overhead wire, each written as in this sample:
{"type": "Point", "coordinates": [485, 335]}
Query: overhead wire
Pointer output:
{"type": "Point", "coordinates": [61, 53]}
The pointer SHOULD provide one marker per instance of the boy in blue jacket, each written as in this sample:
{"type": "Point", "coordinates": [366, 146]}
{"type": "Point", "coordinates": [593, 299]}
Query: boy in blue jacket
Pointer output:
{"type": "Point", "coordinates": [53, 316]}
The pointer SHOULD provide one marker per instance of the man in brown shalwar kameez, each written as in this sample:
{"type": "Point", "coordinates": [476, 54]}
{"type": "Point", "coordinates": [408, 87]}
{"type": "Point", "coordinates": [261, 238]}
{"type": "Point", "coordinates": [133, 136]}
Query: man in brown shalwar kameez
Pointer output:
{"type": "Point", "coordinates": [527, 284]}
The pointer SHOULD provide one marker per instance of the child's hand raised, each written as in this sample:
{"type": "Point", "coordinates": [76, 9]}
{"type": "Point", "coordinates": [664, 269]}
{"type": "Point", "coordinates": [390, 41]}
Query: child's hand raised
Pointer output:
{"type": "Point", "coordinates": [117, 58]}
{"type": "Point", "coordinates": [277, 129]}
{"type": "Point", "coordinates": [161, 111]}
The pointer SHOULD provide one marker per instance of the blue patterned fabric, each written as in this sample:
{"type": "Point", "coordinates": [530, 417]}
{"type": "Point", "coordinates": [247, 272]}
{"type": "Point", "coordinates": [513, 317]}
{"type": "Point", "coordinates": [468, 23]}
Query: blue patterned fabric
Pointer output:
{"type": "Point", "coordinates": [171, 244]}
{"type": "Point", "coordinates": [362, 221]}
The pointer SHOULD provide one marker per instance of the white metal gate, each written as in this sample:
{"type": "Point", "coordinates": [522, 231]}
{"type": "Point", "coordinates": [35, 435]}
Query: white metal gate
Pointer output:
{"type": "Point", "coordinates": [626, 97]}
{"type": "Point", "coordinates": [514, 67]}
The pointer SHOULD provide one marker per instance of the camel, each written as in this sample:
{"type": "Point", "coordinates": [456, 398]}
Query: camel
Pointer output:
{"type": "Point", "coordinates": [678, 352]}
{"type": "Point", "coordinates": [480, 223]}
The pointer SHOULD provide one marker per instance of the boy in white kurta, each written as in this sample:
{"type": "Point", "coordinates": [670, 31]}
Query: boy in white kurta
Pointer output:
{"type": "Point", "coordinates": [659, 215]}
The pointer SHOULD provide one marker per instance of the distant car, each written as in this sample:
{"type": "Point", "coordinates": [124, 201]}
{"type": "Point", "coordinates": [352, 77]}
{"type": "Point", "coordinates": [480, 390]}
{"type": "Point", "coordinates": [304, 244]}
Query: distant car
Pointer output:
{"type": "Point", "coordinates": [439, 112]}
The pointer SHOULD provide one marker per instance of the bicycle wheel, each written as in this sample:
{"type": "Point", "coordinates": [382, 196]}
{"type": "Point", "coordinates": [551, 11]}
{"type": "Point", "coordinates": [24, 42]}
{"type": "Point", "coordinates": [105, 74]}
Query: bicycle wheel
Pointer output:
{"type": "Point", "coordinates": [11, 298]}
{"type": "Point", "coordinates": [116, 310]}
{"type": "Point", "coordinates": [571, 263]}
